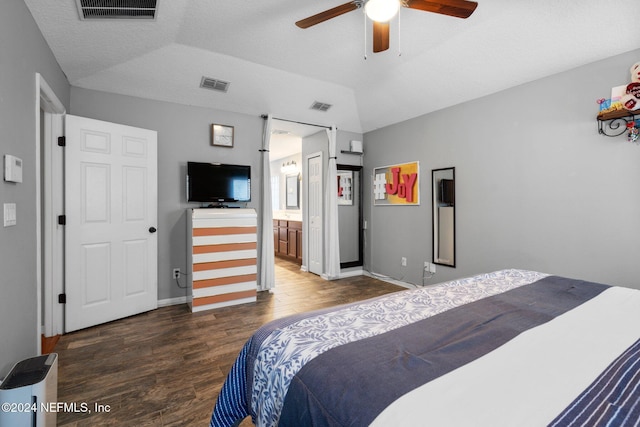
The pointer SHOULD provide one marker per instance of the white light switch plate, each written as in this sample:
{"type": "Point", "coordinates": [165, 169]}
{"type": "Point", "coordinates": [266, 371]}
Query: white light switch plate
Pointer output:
{"type": "Point", "coordinates": [9, 214]}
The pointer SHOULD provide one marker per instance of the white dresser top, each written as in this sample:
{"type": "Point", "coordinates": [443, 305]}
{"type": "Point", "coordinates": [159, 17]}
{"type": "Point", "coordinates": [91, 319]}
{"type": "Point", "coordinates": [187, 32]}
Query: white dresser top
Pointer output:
{"type": "Point", "coordinates": [211, 213]}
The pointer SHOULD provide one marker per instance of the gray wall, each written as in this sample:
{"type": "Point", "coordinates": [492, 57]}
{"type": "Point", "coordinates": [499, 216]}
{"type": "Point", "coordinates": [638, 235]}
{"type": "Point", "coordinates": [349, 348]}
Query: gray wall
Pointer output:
{"type": "Point", "coordinates": [276, 167]}
{"type": "Point", "coordinates": [23, 52]}
{"type": "Point", "coordinates": [184, 135]}
{"type": "Point", "coordinates": [536, 186]}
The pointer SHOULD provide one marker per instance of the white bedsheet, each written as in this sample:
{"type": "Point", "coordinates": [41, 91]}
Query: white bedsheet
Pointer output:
{"type": "Point", "coordinates": [532, 378]}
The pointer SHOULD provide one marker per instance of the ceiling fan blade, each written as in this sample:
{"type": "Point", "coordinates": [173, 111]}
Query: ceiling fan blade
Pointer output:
{"type": "Point", "coordinates": [380, 36]}
{"type": "Point", "coordinates": [457, 8]}
{"type": "Point", "coordinates": [327, 14]}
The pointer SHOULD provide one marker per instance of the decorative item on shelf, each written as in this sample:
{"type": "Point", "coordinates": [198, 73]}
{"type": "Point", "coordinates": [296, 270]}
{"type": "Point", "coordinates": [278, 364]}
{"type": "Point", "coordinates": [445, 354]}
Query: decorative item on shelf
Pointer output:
{"type": "Point", "coordinates": [632, 134]}
{"type": "Point", "coordinates": [222, 135]}
{"type": "Point", "coordinates": [355, 146]}
{"type": "Point", "coordinates": [622, 114]}
{"type": "Point", "coordinates": [631, 99]}
{"type": "Point", "coordinates": [604, 103]}
{"type": "Point", "coordinates": [289, 167]}
{"type": "Point", "coordinates": [617, 92]}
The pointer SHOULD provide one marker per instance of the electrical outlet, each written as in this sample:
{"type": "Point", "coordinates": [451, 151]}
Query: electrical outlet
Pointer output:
{"type": "Point", "coordinates": [426, 265]}
{"type": "Point", "coordinates": [432, 268]}
{"type": "Point", "coordinates": [176, 273]}
{"type": "Point", "coordinates": [403, 261]}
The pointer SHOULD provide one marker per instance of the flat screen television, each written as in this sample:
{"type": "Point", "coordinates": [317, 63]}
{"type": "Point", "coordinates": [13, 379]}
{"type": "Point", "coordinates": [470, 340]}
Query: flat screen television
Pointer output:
{"type": "Point", "coordinates": [216, 182]}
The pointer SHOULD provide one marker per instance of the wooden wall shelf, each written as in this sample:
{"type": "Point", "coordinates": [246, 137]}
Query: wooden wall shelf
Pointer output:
{"type": "Point", "coordinates": [614, 123]}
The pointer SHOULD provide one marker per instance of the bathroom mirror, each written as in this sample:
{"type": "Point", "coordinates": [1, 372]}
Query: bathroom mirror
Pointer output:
{"type": "Point", "coordinates": [444, 216]}
{"type": "Point", "coordinates": [293, 189]}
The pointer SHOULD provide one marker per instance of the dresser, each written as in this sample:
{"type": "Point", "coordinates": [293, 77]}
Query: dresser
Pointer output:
{"type": "Point", "coordinates": [222, 257]}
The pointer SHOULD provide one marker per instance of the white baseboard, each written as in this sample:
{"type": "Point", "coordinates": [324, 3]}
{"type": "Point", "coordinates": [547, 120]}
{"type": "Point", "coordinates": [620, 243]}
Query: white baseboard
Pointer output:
{"type": "Point", "coordinates": [351, 273]}
{"type": "Point", "coordinates": [389, 280]}
{"type": "Point", "coordinates": [172, 301]}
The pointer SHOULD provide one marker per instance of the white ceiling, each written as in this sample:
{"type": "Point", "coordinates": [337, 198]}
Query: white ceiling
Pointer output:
{"type": "Point", "coordinates": [275, 67]}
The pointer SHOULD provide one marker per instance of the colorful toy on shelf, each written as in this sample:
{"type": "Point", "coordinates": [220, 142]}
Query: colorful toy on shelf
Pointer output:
{"type": "Point", "coordinates": [631, 100]}
{"type": "Point", "coordinates": [633, 133]}
{"type": "Point", "coordinates": [604, 103]}
{"type": "Point", "coordinates": [610, 108]}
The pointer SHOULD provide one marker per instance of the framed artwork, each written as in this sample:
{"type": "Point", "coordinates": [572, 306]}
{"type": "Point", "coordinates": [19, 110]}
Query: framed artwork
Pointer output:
{"type": "Point", "coordinates": [397, 185]}
{"type": "Point", "coordinates": [222, 135]}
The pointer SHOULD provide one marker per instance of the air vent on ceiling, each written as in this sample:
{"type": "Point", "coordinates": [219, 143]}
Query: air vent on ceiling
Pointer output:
{"type": "Point", "coordinates": [214, 84]}
{"type": "Point", "coordinates": [117, 9]}
{"type": "Point", "coordinates": [320, 106]}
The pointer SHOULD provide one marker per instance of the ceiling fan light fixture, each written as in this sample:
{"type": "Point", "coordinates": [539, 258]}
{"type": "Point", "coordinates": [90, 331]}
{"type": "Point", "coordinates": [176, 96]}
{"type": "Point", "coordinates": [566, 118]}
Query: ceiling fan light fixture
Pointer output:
{"type": "Point", "coordinates": [381, 10]}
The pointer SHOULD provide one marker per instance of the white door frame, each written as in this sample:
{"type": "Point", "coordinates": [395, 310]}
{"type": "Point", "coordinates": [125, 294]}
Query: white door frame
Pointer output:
{"type": "Point", "coordinates": [49, 198]}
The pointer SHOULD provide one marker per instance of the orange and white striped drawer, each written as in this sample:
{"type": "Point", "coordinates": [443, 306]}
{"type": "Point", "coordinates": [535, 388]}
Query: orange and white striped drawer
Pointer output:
{"type": "Point", "coordinates": [224, 260]}
{"type": "Point", "coordinates": [218, 269]}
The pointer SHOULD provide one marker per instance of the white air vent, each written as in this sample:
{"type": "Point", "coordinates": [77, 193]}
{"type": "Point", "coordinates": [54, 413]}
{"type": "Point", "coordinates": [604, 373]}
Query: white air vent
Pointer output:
{"type": "Point", "coordinates": [117, 9]}
{"type": "Point", "coordinates": [214, 84]}
{"type": "Point", "coordinates": [320, 106]}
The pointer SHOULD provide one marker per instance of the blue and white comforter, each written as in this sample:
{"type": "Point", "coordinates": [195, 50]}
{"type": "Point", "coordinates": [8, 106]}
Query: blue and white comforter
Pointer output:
{"type": "Point", "coordinates": [260, 380]}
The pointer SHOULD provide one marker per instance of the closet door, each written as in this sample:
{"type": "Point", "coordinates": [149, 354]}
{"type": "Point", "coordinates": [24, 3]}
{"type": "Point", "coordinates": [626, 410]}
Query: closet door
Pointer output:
{"type": "Point", "coordinates": [111, 219]}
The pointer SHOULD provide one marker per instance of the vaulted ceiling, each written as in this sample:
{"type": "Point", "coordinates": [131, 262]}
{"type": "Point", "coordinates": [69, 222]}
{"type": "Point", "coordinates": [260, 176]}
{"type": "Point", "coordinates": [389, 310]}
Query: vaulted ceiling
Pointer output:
{"type": "Point", "coordinates": [275, 67]}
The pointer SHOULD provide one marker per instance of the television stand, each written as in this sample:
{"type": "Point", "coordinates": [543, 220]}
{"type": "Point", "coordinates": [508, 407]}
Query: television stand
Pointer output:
{"type": "Point", "coordinates": [222, 206]}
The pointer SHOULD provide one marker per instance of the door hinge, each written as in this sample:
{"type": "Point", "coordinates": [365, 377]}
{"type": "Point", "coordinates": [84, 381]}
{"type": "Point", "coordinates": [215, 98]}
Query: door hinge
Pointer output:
{"type": "Point", "coordinates": [62, 298]}
{"type": "Point", "coordinates": [62, 220]}
{"type": "Point", "coordinates": [62, 141]}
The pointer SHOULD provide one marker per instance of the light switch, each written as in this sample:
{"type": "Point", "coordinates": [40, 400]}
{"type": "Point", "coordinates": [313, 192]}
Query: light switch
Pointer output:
{"type": "Point", "coordinates": [9, 214]}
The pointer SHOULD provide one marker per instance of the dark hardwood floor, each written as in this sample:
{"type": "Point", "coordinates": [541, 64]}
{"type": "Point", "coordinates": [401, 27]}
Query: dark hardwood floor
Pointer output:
{"type": "Point", "coordinates": [166, 367]}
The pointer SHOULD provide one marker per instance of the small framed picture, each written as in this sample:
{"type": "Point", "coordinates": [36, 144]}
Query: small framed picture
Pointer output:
{"type": "Point", "coordinates": [222, 135]}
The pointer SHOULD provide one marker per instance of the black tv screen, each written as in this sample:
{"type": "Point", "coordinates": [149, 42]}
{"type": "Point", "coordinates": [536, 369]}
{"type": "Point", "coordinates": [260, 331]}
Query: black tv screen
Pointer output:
{"type": "Point", "coordinates": [447, 191]}
{"type": "Point", "coordinates": [215, 182]}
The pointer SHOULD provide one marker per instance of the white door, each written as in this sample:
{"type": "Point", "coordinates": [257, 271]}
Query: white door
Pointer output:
{"type": "Point", "coordinates": [111, 215]}
{"type": "Point", "coordinates": [314, 191]}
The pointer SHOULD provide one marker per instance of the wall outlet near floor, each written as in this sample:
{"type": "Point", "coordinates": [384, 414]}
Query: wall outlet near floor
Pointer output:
{"type": "Point", "coordinates": [176, 273]}
{"type": "Point", "coordinates": [429, 267]}
{"type": "Point", "coordinates": [403, 261]}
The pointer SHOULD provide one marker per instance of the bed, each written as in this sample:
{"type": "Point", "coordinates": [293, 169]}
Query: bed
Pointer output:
{"type": "Point", "coordinates": [507, 348]}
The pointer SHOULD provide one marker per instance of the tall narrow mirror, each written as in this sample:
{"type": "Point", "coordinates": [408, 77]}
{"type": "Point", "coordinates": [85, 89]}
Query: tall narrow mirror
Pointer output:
{"type": "Point", "coordinates": [350, 215]}
{"type": "Point", "coordinates": [444, 216]}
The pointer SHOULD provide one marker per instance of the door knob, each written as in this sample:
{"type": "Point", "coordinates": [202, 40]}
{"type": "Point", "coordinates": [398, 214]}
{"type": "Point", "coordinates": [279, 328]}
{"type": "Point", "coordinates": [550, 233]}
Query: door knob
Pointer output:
{"type": "Point", "coordinates": [152, 230]}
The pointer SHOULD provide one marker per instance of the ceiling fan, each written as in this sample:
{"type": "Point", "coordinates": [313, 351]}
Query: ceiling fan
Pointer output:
{"type": "Point", "coordinates": [381, 11]}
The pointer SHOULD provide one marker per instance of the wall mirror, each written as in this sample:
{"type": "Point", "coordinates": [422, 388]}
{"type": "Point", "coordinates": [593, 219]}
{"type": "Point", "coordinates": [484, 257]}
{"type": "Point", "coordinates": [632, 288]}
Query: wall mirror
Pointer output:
{"type": "Point", "coordinates": [444, 216]}
{"type": "Point", "coordinates": [293, 190]}
{"type": "Point", "coordinates": [350, 215]}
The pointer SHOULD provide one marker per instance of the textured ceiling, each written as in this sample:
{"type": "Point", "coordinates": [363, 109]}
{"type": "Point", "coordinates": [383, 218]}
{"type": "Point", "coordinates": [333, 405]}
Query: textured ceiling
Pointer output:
{"type": "Point", "coordinates": [275, 67]}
